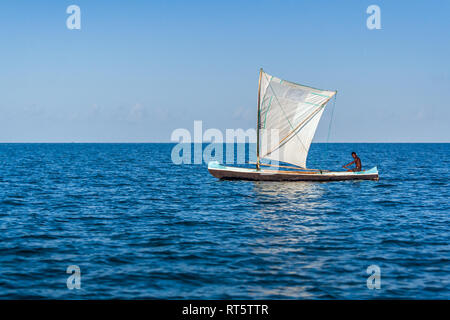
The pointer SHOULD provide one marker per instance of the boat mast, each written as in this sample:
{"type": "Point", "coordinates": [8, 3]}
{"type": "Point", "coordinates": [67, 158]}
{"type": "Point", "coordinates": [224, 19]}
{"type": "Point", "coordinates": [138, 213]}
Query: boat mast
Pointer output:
{"type": "Point", "coordinates": [258, 121]}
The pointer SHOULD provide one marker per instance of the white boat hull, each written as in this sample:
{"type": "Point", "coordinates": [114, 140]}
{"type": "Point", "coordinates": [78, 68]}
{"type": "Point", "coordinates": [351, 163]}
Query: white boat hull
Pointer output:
{"type": "Point", "coordinates": [234, 173]}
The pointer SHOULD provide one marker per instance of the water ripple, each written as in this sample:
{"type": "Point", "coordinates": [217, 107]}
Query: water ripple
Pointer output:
{"type": "Point", "coordinates": [141, 227]}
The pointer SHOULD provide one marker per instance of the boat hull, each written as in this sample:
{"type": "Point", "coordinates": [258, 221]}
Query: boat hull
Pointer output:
{"type": "Point", "coordinates": [234, 173]}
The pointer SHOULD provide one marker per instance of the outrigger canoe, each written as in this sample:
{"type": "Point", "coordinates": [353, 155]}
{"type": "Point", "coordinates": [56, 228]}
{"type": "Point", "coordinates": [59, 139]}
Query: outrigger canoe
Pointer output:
{"type": "Point", "coordinates": [236, 173]}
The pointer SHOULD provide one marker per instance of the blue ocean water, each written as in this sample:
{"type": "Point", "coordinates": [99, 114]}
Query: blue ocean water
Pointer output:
{"type": "Point", "coordinates": [139, 226]}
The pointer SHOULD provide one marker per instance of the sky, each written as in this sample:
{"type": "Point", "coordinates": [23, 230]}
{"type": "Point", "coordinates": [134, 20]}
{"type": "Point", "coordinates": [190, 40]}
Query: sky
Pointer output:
{"type": "Point", "coordinates": [138, 70]}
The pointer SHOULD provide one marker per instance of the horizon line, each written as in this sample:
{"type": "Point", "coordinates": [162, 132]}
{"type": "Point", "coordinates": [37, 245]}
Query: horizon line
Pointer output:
{"type": "Point", "coordinates": [206, 142]}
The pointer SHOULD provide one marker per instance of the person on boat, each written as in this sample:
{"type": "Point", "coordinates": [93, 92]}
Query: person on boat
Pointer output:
{"type": "Point", "coordinates": [357, 163]}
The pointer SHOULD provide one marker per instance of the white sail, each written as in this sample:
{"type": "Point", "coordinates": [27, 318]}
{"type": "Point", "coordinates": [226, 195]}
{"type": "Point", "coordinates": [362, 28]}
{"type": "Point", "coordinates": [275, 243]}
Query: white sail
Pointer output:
{"type": "Point", "coordinates": [293, 111]}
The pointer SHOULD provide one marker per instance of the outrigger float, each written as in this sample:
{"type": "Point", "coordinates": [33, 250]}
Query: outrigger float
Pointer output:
{"type": "Point", "coordinates": [293, 112]}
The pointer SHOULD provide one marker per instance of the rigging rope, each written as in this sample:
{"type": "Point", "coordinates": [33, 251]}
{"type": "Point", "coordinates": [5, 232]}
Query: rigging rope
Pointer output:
{"type": "Point", "coordinates": [331, 119]}
{"type": "Point", "coordinates": [329, 126]}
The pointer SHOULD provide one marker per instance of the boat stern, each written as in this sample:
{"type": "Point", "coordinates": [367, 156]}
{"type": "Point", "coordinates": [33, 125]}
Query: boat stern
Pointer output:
{"type": "Point", "coordinates": [373, 173]}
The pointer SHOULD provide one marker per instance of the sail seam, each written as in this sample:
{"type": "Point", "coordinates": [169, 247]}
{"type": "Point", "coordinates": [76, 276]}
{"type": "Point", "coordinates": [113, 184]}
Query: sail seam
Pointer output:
{"type": "Point", "coordinates": [268, 108]}
{"type": "Point", "coordinates": [299, 127]}
{"type": "Point", "coordinates": [322, 95]}
{"type": "Point", "coordinates": [285, 115]}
